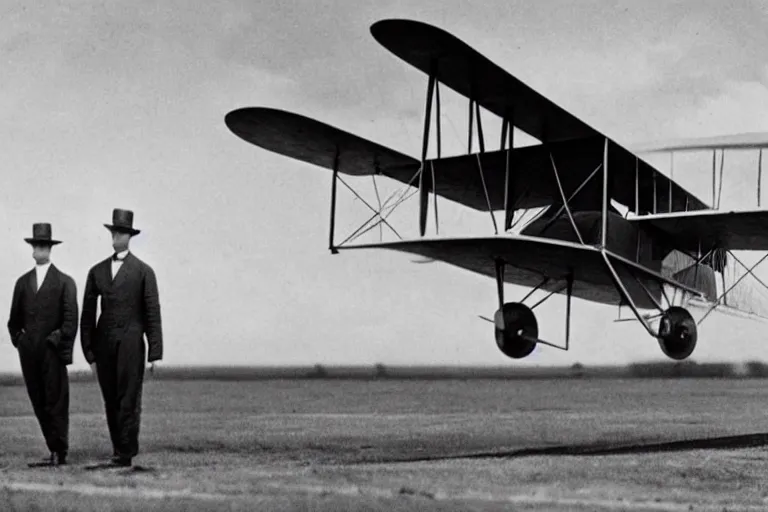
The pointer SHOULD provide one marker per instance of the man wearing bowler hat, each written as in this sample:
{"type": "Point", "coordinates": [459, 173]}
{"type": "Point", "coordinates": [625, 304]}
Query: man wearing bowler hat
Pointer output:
{"type": "Point", "coordinates": [130, 309]}
{"type": "Point", "coordinates": [43, 326]}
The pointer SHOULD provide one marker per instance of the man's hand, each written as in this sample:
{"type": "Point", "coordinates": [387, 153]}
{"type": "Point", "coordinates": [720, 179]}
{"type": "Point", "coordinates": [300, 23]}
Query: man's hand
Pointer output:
{"type": "Point", "coordinates": [18, 337]}
{"type": "Point", "coordinates": [54, 338]}
{"type": "Point", "coordinates": [152, 367]}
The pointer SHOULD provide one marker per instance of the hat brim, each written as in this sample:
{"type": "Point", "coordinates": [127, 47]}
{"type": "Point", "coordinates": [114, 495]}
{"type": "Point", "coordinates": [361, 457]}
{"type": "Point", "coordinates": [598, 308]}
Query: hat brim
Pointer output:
{"type": "Point", "coordinates": [122, 229]}
{"type": "Point", "coordinates": [41, 241]}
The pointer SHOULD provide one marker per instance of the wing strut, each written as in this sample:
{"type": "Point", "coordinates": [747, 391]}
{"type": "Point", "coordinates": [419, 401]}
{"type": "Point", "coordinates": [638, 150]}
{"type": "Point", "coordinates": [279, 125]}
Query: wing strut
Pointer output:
{"type": "Point", "coordinates": [749, 272]}
{"type": "Point", "coordinates": [333, 201]}
{"type": "Point", "coordinates": [500, 265]}
{"type": "Point", "coordinates": [439, 151]}
{"type": "Point", "coordinates": [423, 188]}
{"type": "Point", "coordinates": [759, 174]}
{"type": "Point", "coordinates": [480, 138]}
{"type": "Point", "coordinates": [485, 189]}
{"type": "Point", "coordinates": [604, 233]}
{"type": "Point", "coordinates": [508, 124]}
{"type": "Point", "coordinates": [625, 294]}
{"type": "Point", "coordinates": [565, 202]}
{"type": "Point", "coordinates": [570, 198]}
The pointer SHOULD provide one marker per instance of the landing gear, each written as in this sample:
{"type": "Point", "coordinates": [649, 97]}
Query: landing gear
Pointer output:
{"type": "Point", "coordinates": [677, 333]}
{"type": "Point", "coordinates": [516, 330]}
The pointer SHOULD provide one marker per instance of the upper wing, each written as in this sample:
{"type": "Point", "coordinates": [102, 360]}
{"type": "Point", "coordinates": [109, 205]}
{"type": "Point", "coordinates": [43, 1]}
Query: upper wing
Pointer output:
{"type": "Point", "coordinates": [469, 73]}
{"type": "Point", "coordinates": [756, 140]}
{"type": "Point", "coordinates": [745, 230]}
{"type": "Point", "coordinates": [632, 180]}
{"type": "Point", "coordinates": [458, 178]}
{"type": "Point", "coordinates": [311, 141]}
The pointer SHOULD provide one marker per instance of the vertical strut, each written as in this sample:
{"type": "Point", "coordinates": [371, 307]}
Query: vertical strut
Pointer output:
{"type": "Point", "coordinates": [509, 212]}
{"type": "Point", "coordinates": [480, 138]}
{"type": "Point", "coordinates": [604, 233]}
{"type": "Point", "coordinates": [720, 185]}
{"type": "Point", "coordinates": [569, 291]}
{"type": "Point", "coordinates": [333, 202]}
{"type": "Point", "coordinates": [759, 174]}
{"type": "Point", "coordinates": [504, 127]}
{"type": "Point", "coordinates": [714, 173]}
{"type": "Point", "coordinates": [637, 186]}
{"type": "Point", "coordinates": [671, 176]}
{"type": "Point", "coordinates": [423, 188]}
{"type": "Point", "coordinates": [471, 120]}
{"type": "Point", "coordinates": [438, 119]}
{"type": "Point", "coordinates": [500, 281]}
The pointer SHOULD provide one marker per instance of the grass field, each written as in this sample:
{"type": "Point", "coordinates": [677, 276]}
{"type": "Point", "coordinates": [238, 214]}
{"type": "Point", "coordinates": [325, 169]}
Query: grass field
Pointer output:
{"type": "Point", "coordinates": [388, 444]}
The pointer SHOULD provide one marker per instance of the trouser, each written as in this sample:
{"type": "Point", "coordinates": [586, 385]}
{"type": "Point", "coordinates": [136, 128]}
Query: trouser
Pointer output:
{"type": "Point", "coordinates": [47, 384]}
{"type": "Point", "coordinates": [120, 370]}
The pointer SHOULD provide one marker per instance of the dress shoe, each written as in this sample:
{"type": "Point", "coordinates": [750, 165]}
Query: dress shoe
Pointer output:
{"type": "Point", "coordinates": [61, 459]}
{"type": "Point", "coordinates": [46, 462]}
{"type": "Point", "coordinates": [123, 462]}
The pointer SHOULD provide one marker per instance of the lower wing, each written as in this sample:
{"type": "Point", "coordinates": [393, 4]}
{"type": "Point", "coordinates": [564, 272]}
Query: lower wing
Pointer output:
{"type": "Point", "coordinates": [532, 260]}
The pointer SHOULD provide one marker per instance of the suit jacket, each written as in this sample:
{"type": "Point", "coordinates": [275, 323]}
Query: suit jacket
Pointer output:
{"type": "Point", "coordinates": [47, 315]}
{"type": "Point", "coordinates": [130, 308]}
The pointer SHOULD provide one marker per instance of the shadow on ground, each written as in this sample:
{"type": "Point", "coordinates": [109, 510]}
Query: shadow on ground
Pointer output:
{"type": "Point", "coordinates": [591, 449]}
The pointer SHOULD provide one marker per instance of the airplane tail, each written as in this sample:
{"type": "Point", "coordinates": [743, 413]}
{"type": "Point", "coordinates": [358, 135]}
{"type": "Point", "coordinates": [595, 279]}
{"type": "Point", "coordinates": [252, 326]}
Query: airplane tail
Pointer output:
{"type": "Point", "coordinates": [722, 280]}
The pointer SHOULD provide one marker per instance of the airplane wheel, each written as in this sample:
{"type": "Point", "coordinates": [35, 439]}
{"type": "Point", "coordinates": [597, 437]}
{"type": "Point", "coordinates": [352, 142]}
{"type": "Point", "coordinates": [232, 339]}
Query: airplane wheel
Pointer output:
{"type": "Point", "coordinates": [515, 326]}
{"type": "Point", "coordinates": [677, 333]}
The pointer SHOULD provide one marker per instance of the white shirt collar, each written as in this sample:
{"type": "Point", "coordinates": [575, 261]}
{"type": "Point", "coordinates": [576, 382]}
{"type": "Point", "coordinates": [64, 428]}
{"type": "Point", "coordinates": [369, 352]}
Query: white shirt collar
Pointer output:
{"type": "Point", "coordinates": [121, 256]}
{"type": "Point", "coordinates": [40, 272]}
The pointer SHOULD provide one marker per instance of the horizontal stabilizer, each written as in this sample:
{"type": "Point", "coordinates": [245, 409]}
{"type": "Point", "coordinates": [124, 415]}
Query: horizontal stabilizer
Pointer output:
{"type": "Point", "coordinates": [744, 230]}
{"type": "Point", "coordinates": [311, 141]}
{"type": "Point", "coordinates": [755, 140]}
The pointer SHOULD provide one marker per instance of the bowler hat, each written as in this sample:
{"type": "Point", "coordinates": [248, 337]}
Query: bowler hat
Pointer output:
{"type": "Point", "coordinates": [41, 235]}
{"type": "Point", "coordinates": [122, 220]}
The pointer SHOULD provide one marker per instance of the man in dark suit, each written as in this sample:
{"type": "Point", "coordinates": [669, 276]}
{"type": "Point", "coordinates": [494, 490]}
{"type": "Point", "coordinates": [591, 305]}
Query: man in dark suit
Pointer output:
{"type": "Point", "coordinates": [130, 309]}
{"type": "Point", "coordinates": [43, 326]}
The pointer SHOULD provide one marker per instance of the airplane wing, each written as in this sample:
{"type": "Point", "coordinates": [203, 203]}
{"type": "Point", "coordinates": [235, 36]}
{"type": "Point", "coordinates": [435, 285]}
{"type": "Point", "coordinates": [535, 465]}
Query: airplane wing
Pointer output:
{"type": "Point", "coordinates": [531, 259]}
{"type": "Point", "coordinates": [755, 140]}
{"type": "Point", "coordinates": [458, 178]}
{"type": "Point", "coordinates": [311, 141]}
{"type": "Point", "coordinates": [743, 230]}
{"type": "Point", "coordinates": [469, 73]}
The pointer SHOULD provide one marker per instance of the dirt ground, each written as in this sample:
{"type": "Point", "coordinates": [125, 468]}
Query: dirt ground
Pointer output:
{"type": "Point", "coordinates": [570, 444]}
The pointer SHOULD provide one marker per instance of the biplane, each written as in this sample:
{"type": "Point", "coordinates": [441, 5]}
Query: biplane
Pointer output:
{"type": "Point", "coordinates": [580, 244]}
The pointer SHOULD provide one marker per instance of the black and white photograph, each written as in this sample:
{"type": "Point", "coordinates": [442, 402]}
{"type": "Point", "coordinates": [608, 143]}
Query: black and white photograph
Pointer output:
{"type": "Point", "coordinates": [336, 255]}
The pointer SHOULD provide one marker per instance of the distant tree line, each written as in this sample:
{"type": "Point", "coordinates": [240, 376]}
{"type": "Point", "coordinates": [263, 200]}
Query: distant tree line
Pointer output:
{"type": "Point", "coordinates": [662, 369]}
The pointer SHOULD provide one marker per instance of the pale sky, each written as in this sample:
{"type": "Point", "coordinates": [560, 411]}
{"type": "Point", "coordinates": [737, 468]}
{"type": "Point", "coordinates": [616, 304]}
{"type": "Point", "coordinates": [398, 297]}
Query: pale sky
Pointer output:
{"type": "Point", "coordinates": [122, 104]}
